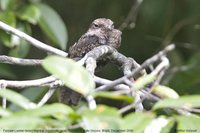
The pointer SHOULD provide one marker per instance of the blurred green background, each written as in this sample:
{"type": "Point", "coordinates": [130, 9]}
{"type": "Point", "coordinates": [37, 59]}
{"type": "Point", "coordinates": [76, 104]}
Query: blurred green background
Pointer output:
{"type": "Point", "coordinates": [158, 23]}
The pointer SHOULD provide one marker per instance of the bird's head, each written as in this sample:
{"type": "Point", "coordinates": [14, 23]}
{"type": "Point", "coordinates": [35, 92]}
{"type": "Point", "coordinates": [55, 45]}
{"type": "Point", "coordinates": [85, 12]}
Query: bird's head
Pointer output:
{"type": "Point", "coordinates": [102, 25]}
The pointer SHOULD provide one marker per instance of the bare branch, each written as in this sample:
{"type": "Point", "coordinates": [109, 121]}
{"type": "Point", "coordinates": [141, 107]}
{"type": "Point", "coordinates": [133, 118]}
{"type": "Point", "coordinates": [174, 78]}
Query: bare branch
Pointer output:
{"type": "Point", "coordinates": [103, 81]}
{"type": "Point", "coordinates": [193, 110]}
{"type": "Point", "coordinates": [138, 103]}
{"type": "Point", "coordinates": [19, 61]}
{"type": "Point", "coordinates": [52, 88]}
{"type": "Point", "coordinates": [46, 97]}
{"type": "Point", "coordinates": [32, 40]}
{"type": "Point", "coordinates": [110, 54]}
{"type": "Point", "coordinates": [130, 20]}
{"type": "Point", "coordinates": [138, 70]}
{"type": "Point", "coordinates": [162, 66]}
{"type": "Point", "coordinates": [125, 89]}
{"type": "Point", "coordinates": [92, 56]}
{"type": "Point", "coordinates": [91, 102]}
{"type": "Point", "coordinates": [29, 83]}
{"type": "Point", "coordinates": [177, 27]}
{"type": "Point", "coordinates": [126, 108]}
{"type": "Point", "coordinates": [4, 100]}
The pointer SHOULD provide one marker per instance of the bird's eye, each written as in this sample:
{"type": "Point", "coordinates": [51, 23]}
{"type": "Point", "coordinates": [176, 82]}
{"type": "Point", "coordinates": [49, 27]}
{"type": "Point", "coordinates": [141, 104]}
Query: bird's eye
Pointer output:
{"type": "Point", "coordinates": [96, 25]}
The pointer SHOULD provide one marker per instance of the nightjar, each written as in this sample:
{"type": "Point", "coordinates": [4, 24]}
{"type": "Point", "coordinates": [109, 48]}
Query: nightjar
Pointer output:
{"type": "Point", "coordinates": [100, 32]}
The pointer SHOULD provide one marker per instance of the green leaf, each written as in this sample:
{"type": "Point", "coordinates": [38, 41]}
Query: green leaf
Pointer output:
{"type": "Point", "coordinates": [7, 4]}
{"type": "Point", "coordinates": [143, 81]}
{"type": "Point", "coordinates": [114, 96]}
{"type": "Point", "coordinates": [58, 124]}
{"type": "Point", "coordinates": [4, 4]}
{"type": "Point", "coordinates": [6, 72]}
{"type": "Point", "coordinates": [136, 122]}
{"type": "Point", "coordinates": [10, 19]}
{"type": "Point", "coordinates": [57, 110]}
{"type": "Point", "coordinates": [169, 127]}
{"type": "Point", "coordinates": [191, 101]}
{"type": "Point", "coordinates": [16, 98]}
{"type": "Point", "coordinates": [73, 75]}
{"type": "Point", "coordinates": [22, 47]}
{"type": "Point", "coordinates": [31, 94]}
{"type": "Point", "coordinates": [188, 123]}
{"type": "Point", "coordinates": [156, 125]}
{"type": "Point", "coordinates": [102, 117]}
{"type": "Point", "coordinates": [52, 115]}
{"type": "Point", "coordinates": [4, 112]}
{"type": "Point", "coordinates": [165, 92]}
{"type": "Point", "coordinates": [20, 122]}
{"type": "Point", "coordinates": [53, 26]}
{"type": "Point", "coordinates": [29, 13]}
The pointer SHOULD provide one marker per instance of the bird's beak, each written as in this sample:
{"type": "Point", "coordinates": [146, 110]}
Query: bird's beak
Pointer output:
{"type": "Point", "coordinates": [110, 27]}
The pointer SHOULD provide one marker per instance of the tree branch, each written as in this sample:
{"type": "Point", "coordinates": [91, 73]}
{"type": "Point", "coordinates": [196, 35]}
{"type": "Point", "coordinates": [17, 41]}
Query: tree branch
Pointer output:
{"type": "Point", "coordinates": [111, 54]}
{"type": "Point", "coordinates": [29, 83]}
{"type": "Point", "coordinates": [19, 61]}
{"type": "Point", "coordinates": [130, 20]}
{"type": "Point", "coordinates": [32, 40]}
{"type": "Point", "coordinates": [46, 97]}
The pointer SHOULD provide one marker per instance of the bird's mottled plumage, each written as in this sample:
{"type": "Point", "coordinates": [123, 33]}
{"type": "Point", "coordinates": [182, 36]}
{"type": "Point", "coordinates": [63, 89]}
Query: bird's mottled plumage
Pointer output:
{"type": "Point", "coordinates": [100, 32]}
{"type": "Point", "coordinates": [114, 38]}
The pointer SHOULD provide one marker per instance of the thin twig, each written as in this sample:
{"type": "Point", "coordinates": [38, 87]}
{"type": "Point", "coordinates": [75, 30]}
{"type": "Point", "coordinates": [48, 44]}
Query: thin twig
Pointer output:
{"type": "Point", "coordinates": [52, 88]}
{"type": "Point", "coordinates": [193, 110]}
{"type": "Point", "coordinates": [19, 61]}
{"type": "Point", "coordinates": [4, 101]}
{"type": "Point", "coordinates": [91, 102]}
{"type": "Point", "coordinates": [103, 81]}
{"type": "Point", "coordinates": [126, 108]}
{"type": "Point", "coordinates": [29, 83]}
{"type": "Point", "coordinates": [177, 27]}
{"type": "Point", "coordinates": [162, 66]}
{"type": "Point", "coordinates": [132, 15]}
{"type": "Point", "coordinates": [46, 97]}
{"type": "Point", "coordinates": [147, 95]}
{"type": "Point", "coordinates": [138, 103]}
{"type": "Point", "coordinates": [32, 40]}
{"type": "Point", "coordinates": [125, 89]}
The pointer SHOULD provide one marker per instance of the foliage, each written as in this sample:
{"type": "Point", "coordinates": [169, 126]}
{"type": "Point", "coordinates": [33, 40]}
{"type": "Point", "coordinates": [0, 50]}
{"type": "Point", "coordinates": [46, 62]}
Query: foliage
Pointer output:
{"type": "Point", "coordinates": [22, 15]}
{"type": "Point", "coordinates": [158, 23]}
{"type": "Point", "coordinates": [70, 72]}
{"type": "Point", "coordinates": [60, 116]}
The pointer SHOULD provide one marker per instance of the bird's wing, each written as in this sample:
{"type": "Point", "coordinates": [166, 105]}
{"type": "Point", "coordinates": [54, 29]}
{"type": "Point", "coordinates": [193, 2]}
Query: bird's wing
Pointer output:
{"type": "Point", "coordinates": [84, 45]}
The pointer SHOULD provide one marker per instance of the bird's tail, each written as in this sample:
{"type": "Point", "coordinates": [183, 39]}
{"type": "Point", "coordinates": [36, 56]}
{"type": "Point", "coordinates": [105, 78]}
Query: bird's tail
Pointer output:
{"type": "Point", "coordinates": [68, 96]}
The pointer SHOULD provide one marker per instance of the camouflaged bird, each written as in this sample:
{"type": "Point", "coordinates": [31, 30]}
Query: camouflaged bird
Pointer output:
{"type": "Point", "coordinates": [100, 32]}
